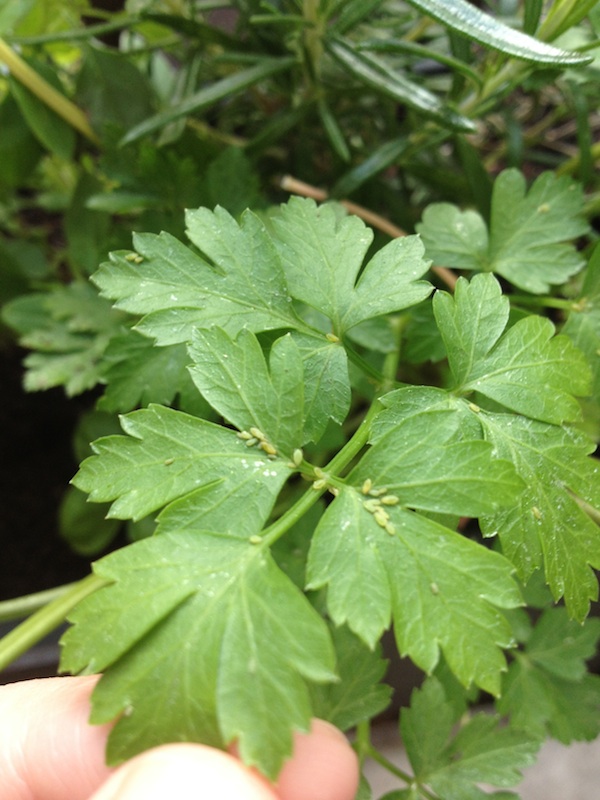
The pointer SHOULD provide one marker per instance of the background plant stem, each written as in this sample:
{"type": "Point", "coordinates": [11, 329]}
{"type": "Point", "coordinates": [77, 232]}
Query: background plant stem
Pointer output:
{"type": "Point", "coordinates": [44, 621]}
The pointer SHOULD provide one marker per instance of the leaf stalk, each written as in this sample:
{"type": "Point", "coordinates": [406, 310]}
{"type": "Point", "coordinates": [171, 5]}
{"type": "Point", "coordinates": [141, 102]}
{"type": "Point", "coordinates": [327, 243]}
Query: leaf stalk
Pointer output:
{"type": "Point", "coordinates": [44, 621]}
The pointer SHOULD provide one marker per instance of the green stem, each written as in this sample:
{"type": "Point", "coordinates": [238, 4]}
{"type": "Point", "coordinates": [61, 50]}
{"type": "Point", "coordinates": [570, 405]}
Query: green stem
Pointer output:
{"type": "Point", "coordinates": [60, 104]}
{"type": "Point", "coordinates": [78, 33]}
{"type": "Point", "coordinates": [313, 41]}
{"type": "Point", "coordinates": [21, 607]}
{"type": "Point", "coordinates": [374, 754]}
{"type": "Point", "coordinates": [544, 302]}
{"type": "Point", "coordinates": [572, 165]}
{"type": "Point", "coordinates": [44, 621]}
{"type": "Point", "coordinates": [339, 462]}
{"type": "Point", "coordinates": [372, 372]}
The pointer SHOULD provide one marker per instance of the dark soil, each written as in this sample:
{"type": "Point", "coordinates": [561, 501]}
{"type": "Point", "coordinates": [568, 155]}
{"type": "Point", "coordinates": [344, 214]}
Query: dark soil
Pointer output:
{"type": "Point", "coordinates": [35, 468]}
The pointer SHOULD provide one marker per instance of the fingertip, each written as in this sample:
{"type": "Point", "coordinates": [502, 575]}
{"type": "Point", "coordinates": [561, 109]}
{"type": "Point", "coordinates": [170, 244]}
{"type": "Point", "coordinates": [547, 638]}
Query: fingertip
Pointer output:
{"type": "Point", "coordinates": [187, 772]}
{"type": "Point", "coordinates": [323, 767]}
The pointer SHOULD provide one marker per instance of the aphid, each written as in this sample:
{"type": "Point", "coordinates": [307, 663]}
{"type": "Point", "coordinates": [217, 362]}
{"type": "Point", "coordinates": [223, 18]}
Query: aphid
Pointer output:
{"type": "Point", "coordinates": [138, 259]}
{"type": "Point", "coordinates": [474, 407]}
{"type": "Point", "coordinates": [131, 256]}
{"type": "Point", "coordinates": [367, 485]}
{"type": "Point", "coordinates": [168, 461]}
{"type": "Point", "coordinates": [382, 518]}
{"type": "Point", "coordinates": [297, 457]}
{"type": "Point", "coordinates": [372, 505]}
{"type": "Point", "coordinates": [244, 435]}
{"type": "Point", "coordinates": [378, 492]}
{"type": "Point", "coordinates": [251, 441]}
{"type": "Point", "coordinates": [319, 473]}
{"type": "Point", "coordinates": [320, 484]}
{"type": "Point", "coordinates": [255, 539]}
{"type": "Point", "coordinates": [334, 490]}
{"type": "Point", "coordinates": [389, 528]}
{"type": "Point", "coordinates": [258, 434]}
{"type": "Point", "coordinates": [544, 208]}
{"type": "Point", "coordinates": [331, 337]}
{"type": "Point", "coordinates": [390, 500]}
{"type": "Point", "coordinates": [536, 512]}
{"type": "Point", "coordinates": [268, 448]}
{"type": "Point", "coordinates": [435, 589]}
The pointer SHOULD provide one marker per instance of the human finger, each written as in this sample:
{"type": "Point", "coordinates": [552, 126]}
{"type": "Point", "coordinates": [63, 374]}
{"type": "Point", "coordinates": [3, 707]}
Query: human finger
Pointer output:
{"type": "Point", "coordinates": [48, 749]}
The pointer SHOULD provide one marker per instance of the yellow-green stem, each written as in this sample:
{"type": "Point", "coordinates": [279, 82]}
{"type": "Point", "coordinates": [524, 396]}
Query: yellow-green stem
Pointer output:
{"type": "Point", "coordinates": [60, 104]}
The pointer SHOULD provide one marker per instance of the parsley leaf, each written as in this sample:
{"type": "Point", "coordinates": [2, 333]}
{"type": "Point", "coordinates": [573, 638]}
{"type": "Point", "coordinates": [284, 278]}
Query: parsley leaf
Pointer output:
{"type": "Point", "coordinates": [529, 235]}
{"type": "Point", "coordinates": [547, 689]}
{"type": "Point", "coordinates": [323, 252]}
{"type": "Point", "coordinates": [482, 751]}
{"type": "Point", "coordinates": [358, 694]}
{"type": "Point", "coordinates": [583, 328]}
{"type": "Point", "coordinates": [169, 456]}
{"type": "Point", "coordinates": [441, 590]}
{"type": "Point", "coordinates": [526, 369]}
{"type": "Point", "coordinates": [68, 328]}
{"type": "Point", "coordinates": [233, 376]}
{"type": "Point", "coordinates": [139, 373]}
{"type": "Point", "coordinates": [236, 281]}
{"type": "Point", "coordinates": [547, 525]}
{"type": "Point", "coordinates": [200, 638]}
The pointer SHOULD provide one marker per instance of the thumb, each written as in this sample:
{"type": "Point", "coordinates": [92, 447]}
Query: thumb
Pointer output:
{"type": "Point", "coordinates": [185, 772]}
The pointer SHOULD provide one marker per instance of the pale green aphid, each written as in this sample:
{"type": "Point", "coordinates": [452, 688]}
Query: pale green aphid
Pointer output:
{"type": "Point", "coordinates": [371, 505]}
{"type": "Point", "coordinates": [267, 447]}
{"type": "Point", "coordinates": [297, 457]}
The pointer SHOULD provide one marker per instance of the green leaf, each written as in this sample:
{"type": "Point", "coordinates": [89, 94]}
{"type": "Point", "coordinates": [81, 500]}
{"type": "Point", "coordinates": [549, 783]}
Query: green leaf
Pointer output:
{"type": "Point", "coordinates": [239, 283]}
{"type": "Point", "coordinates": [455, 238]}
{"type": "Point", "coordinates": [547, 527]}
{"type": "Point", "coordinates": [200, 638]}
{"type": "Point", "coordinates": [464, 18]}
{"type": "Point", "coordinates": [380, 76]}
{"type": "Point", "coordinates": [20, 151]}
{"type": "Point", "coordinates": [381, 157]}
{"type": "Point", "coordinates": [232, 182]}
{"type": "Point", "coordinates": [358, 695]}
{"type": "Point", "coordinates": [529, 240]}
{"type": "Point", "coordinates": [235, 379]}
{"type": "Point", "coordinates": [210, 95]}
{"type": "Point", "coordinates": [547, 690]}
{"type": "Point", "coordinates": [170, 456]}
{"type": "Point", "coordinates": [51, 130]}
{"type": "Point", "coordinates": [527, 369]}
{"type": "Point", "coordinates": [326, 383]}
{"type": "Point", "coordinates": [322, 254]}
{"type": "Point", "coordinates": [84, 525]}
{"type": "Point", "coordinates": [441, 590]}
{"type": "Point", "coordinates": [112, 90]}
{"type": "Point", "coordinates": [583, 328]}
{"type": "Point", "coordinates": [139, 373]}
{"type": "Point", "coordinates": [69, 327]}
{"type": "Point", "coordinates": [482, 751]}
{"type": "Point", "coordinates": [419, 461]}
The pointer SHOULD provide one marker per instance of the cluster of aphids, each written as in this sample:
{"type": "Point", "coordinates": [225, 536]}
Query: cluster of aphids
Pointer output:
{"type": "Point", "coordinates": [255, 436]}
{"type": "Point", "coordinates": [378, 499]}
